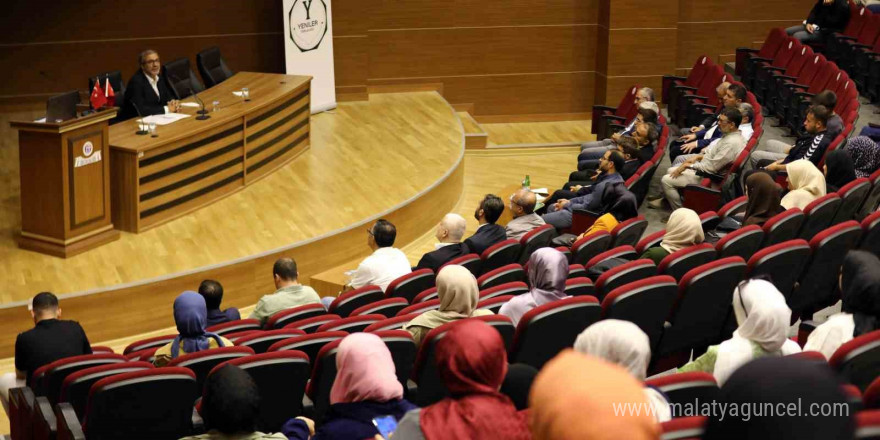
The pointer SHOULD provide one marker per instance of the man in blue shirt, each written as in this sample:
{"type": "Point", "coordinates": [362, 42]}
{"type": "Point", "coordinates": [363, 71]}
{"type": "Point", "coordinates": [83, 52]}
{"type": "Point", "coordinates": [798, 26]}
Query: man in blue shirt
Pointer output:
{"type": "Point", "coordinates": [589, 197]}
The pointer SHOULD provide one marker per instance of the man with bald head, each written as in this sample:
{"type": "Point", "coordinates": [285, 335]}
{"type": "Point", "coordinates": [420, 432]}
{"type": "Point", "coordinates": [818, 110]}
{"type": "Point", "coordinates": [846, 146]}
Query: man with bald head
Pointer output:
{"type": "Point", "coordinates": [449, 233]}
{"type": "Point", "coordinates": [522, 207]}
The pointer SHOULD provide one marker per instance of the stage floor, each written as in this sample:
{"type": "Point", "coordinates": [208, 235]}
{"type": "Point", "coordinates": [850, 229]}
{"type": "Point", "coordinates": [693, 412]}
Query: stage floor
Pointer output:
{"type": "Point", "coordinates": [366, 158]}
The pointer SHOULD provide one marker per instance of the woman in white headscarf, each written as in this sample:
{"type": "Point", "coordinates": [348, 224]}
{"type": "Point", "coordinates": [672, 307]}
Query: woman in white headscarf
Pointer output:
{"type": "Point", "coordinates": [625, 344]}
{"type": "Point", "coordinates": [683, 229]}
{"type": "Point", "coordinates": [763, 319]}
{"type": "Point", "coordinates": [458, 293]}
{"type": "Point", "coordinates": [806, 183]}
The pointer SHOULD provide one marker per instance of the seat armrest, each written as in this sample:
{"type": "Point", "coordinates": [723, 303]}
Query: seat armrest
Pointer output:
{"type": "Point", "coordinates": [684, 87]}
{"type": "Point", "coordinates": [861, 45]}
{"type": "Point", "coordinates": [671, 77]}
{"type": "Point", "coordinates": [615, 127]}
{"type": "Point", "coordinates": [804, 94]}
{"type": "Point", "coordinates": [703, 106]}
{"type": "Point", "coordinates": [714, 177]}
{"type": "Point", "coordinates": [773, 68]}
{"type": "Point", "coordinates": [795, 86]}
{"type": "Point", "coordinates": [614, 118]}
{"type": "Point", "coordinates": [198, 423]}
{"type": "Point", "coordinates": [604, 107]}
{"type": "Point", "coordinates": [68, 424]}
{"type": "Point", "coordinates": [781, 76]}
{"type": "Point", "coordinates": [45, 425]}
{"type": "Point", "coordinates": [747, 50]}
{"type": "Point", "coordinates": [769, 60]}
{"type": "Point", "coordinates": [694, 97]}
{"type": "Point", "coordinates": [844, 37]}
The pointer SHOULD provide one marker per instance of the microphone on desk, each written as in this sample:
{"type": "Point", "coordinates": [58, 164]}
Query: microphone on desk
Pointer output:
{"type": "Point", "coordinates": [203, 114]}
{"type": "Point", "coordinates": [141, 130]}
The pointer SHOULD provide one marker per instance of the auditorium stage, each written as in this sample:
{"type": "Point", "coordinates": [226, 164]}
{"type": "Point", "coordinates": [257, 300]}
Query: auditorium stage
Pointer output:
{"type": "Point", "coordinates": [398, 156]}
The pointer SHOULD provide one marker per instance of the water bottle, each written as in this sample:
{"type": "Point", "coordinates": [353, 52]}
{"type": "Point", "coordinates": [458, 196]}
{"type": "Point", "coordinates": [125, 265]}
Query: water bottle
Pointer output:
{"type": "Point", "coordinates": [527, 182]}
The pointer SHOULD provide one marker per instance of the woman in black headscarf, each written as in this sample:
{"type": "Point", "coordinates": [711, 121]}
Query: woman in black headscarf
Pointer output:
{"type": "Point", "coordinates": [762, 391]}
{"type": "Point", "coordinates": [839, 170]}
{"type": "Point", "coordinates": [860, 311]}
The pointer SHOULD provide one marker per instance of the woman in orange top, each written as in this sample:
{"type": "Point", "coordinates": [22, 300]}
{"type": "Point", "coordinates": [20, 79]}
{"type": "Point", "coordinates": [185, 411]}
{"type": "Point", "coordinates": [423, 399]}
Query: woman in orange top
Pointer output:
{"type": "Point", "coordinates": [618, 205]}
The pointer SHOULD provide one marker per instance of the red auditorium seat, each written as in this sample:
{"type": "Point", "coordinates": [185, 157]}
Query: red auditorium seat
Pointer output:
{"type": "Point", "coordinates": [403, 352]}
{"type": "Point", "coordinates": [47, 380]}
{"type": "Point", "coordinates": [502, 275]}
{"type": "Point", "coordinates": [351, 324]}
{"type": "Point", "coordinates": [426, 295]}
{"type": "Point", "coordinates": [645, 302]}
{"type": "Point", "coordinates": [624, 111]}
{"type": "Point", "coordinates": [347, 302]}
{"type": "Point", "coordinates": [147, 355]}
{"type": "Point", "coordinates": [424, 373]}
{"type": "Point", "coordinates": [284, 317]}
{"type": "Point", "coordinates": [684, 428]}
{"type": "Point", "coordinates": [421, 307]}
{"type": "Point", "coordinates": [868, 425]}
{"type": "Point", "coordinates": [565, 251]}
{"type": "Point", "coordinates": [75, 389]}
{"type": "Point", "coordinates": [164, 409]}
{"type": "Point", "coordinates": [322, 378]}
{"type": "Point", "coordinates": [818, 215]}
{"type": "Point", "coordinates": [101, 349]}
{"type": "Point", "coordinates": [409, 285]}
{"type": "Point", "coordinates": [672, 85]}
{"type": "Point", "coordinates": [783, 227]}
{"type": "Point", "coordinates": [809, 355]}
{"type": "Point", "coordinates": [581, 286]}
{"type": "Point", "coordinates": [144, 344]}
{"type": "Point", "coordinates": [743, 242]}
{"type": "Point", "coordinates": [588, 247]}
{"type": "Point", "coordinates": [576, 271]}
{"type": "Point", "coordinates": [624, 274]}
{"type": "Point", "coordinates": [495, 303]}
{"type": "Point", "coordinates": [852, 195]}
{"type": "Point", "coordinates": [701, 307]}
{"type": "Point", "coordinates": [395, 323]}
{"type": "Point", "coordinates": [239, 325]}
{"type": "Point", "coordinates": [281, 377]}
{"type": "Point", "coordinates": [470, 262]}
{"type": "Point", "coordinates": [858, 361]}
{"type": "Point", "coordinates": [873, 198]}
{"type": "Point", "coordinates": [261, 341]}
{"type": "Point", "coordinates": [650, 241]}
{"type": "Point", "coordinates": [387, 307]}
{"type": "Point", "coordinates": [203, 361]}
{"type": "Point", "coordinates": [310, 325]}
{"type": "Point", "coordinates": [816, 287]}
{"type": "Point", "coordinates": [871, 398]}
{"type": "Point", "coordinates": [625, 252]}
{"type": "Point", "coordinates": [309, 344]}
{"type": "Point", "coordinates": [871, 233]}
{"type": "Point", "coordinates": [550, 328]}
{"type": "Point", "coordinates": [783, 262]}
{"type": "Point", "coordinates": [853, 398]}
{"type": "Point", "coordinates": [534, 240]}
{"type": "Point", "coordinates": [746, 58]}
{"type": "Point", "coordinates": [500, 254]}
{"type": "Point", "coordinates": [682, 261]}
{"type": "Point", "coordinates": [629, 232]}
{"type": "Point", "coordinates": [687, 388]}
{"type": "Point", "coordinates": [514, 288]}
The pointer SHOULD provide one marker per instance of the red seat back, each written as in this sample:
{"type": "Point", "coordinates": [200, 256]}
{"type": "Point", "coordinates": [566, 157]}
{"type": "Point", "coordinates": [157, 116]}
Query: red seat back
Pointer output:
{"type": "Point", "coordinates": [550, 328]}
{"type": "Point", "coordinates": [409, 285]}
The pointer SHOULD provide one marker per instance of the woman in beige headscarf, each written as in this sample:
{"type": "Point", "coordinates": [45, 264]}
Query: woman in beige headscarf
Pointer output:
{"type": "Point", "coordinates": [458, 293]}
{"type": "Point", "coordinates": [683, 229]}
{"type": "Point", "coordinates": [806, 183]}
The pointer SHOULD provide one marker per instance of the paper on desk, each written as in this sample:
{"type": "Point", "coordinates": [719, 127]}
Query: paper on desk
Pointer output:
{"type": "Point", "coordinates": [540, 191]}
{"type": "Point", "coordinates": [237, 93]}
{"type": "Point", "coordinates": [165, 119]}
{"type": "Point", "coordinates": [43, 119]}
{"type": "Point", "coordinates": [190, 104]}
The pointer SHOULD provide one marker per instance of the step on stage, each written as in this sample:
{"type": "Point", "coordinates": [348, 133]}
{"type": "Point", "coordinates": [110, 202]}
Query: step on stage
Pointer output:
{"type": "Point", "coordinates": [397, 156]}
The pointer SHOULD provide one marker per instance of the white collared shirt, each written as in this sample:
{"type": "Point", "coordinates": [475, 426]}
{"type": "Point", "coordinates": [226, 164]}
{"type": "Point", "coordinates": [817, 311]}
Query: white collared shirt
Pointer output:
{"type": "Point", "coordinates": [381, 268]}
{"type": "Point", "coordinates": [154, 83]}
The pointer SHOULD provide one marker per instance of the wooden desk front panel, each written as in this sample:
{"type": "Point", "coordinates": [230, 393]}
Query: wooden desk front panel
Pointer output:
{"type": "Point", "coordinates": [277, 135]}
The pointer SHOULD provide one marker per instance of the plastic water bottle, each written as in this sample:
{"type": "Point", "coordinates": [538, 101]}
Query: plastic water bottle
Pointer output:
{"type": "Point", "coordinates": [527, 182]}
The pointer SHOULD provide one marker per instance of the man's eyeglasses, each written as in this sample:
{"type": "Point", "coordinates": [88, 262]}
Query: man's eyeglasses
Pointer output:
{"type": "Point", "coordinates": [156, 61]}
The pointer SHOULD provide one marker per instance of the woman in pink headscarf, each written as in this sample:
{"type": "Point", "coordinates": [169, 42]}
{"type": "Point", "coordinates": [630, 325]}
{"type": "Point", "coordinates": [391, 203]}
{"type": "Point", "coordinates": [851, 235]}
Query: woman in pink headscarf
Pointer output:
{"type": "Point", "coordinates": [548, 270]}
{"type": "Point", "coordinates": [366, 387]}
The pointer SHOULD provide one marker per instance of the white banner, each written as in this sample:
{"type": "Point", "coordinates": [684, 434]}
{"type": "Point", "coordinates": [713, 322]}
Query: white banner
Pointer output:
{"type": "Point", "coordinates": [308, 48]}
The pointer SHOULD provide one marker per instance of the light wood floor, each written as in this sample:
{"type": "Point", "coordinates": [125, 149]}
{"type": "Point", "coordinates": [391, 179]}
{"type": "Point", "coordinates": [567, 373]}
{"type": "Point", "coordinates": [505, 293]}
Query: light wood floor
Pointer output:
{"type": "Point", "coordinates": [531, 133]}
{"type": "Point", "coordinates": [350, 173]}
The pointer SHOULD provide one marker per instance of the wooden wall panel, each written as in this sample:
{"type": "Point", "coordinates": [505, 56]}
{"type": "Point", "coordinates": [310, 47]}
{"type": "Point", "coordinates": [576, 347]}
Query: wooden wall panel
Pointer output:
{"type": "Point", "coordinates": [635, 52]}
{"type": "Point", "coordinates": [418, 14]}
{"type": "Point", "coordinates": [352, 60]}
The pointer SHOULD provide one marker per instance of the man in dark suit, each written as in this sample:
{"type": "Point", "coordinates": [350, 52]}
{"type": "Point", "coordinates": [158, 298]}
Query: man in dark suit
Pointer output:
{"type": "Point", "coordinates": [147, 92]}
{"type": "Point", "coordinates": [488, 233]}
{"type": "Point", "coordinates": [449, 234]}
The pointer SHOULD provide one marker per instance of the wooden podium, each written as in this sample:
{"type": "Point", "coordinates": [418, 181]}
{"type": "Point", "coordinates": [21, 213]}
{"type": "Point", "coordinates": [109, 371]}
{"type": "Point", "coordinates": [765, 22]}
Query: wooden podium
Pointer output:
{"type": "Point", "coordinates": [65, 184]}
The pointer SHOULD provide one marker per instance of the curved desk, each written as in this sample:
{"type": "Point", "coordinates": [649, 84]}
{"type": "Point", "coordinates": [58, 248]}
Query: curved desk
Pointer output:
{"type": "Point", "coordinates": [193, 163]}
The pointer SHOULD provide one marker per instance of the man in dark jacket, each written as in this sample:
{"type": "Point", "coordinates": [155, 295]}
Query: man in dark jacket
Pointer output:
{"type": "Point", "coordinates": [488, 233]}
{"type": "Point", "coordinates": [826, 17]}
{"type": "Point", "coordinates": [449, 234]}
{"type": "Point", "coordinates": [213, 293]}
{"type": "Point", "coordinates": [148, 93]}
{"type": "Point", "coordinates": [811, 147]}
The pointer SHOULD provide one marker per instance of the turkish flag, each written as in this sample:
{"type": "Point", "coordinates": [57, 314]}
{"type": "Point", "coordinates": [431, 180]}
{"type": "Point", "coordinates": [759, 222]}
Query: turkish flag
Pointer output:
{"type": "Point", "coordinates": [109, 94]}
{"type": "Point", "coordinates": [97, 98]}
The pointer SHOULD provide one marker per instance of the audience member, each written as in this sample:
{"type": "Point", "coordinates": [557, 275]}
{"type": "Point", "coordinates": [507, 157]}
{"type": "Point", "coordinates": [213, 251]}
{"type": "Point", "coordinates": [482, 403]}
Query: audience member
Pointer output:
{"type": "Point", "coordinates": [518, 383]}
{"type": "Point", "coordinates": [865, 154]}
{"type": "Point", "coordinates": [548, 270]}
{"type": "Point", "coordinates": [212, 291]}
{"type": "Point", "coordinates": [588, 197]}
{"type": "Point", "coordinates": [231, 407]}
{"type": "Point", "coordinates": [365, 388]}
{"type": "Point", "coordinates": [634, 155]}
{"type": "Point", "coordinates": [838, 170]}
{"type": "Point", "coordinates": [720, 92]}
{"type": "Point", "coordinates": [289, 292]}
{"type": "Point", "coordinates": [618, 205]}
{"type": "Point", "coordinates": [488, 233]}
{"type": "Point", "coordinates": [872, 5]}
{"type": "Point", "coordinates": [625, 344]}
{"type": "Point", "coordinates": [773, 383]}
{"type": "Point", "coordinates": [695, 143]}
{"type": "Point", "coordinates": [191, 318]}
{"type": "Point", "coordinates": [806, 183]}
{"type": "Point", "coordinates": [472, 363]}
{"type": "Point", "coordinates": [644, 94]}
{"type": "Point", "coordinates": [826, 18]}
{"type": "Point", "coordinates": [811, 147]}
{"type": "Point", "coordinates": [576, 396]}
{"type": "Point", "coordinates": [647, 113]}
{"type": "Point", "coordinates": [449, 233]}
{"type": "Point", "coordinates": [522, 208]}
{"type": "Point", "coordinates": [147, 93]}
{"type": "Point", "coordinates": [51, 339]}
{"type": "Point", "coordinates": [646, 136]}
{"type": "Point", "coordinates": [458, 293]}
{"type": "Point", "coordinates": [748, 114]}
{"type": "Point", "coordinates": [860, 310]}
{"type": "Point", "coordinates": [828, 99]}
{"type": "Point", "coordinates": [764, 199]}
{"type": "Point", "coordinates": [386, 263]}
{"type": "Point", "coordinates": [683, 229]}
{"type": "Point", "coordinates": [763, 319]}
{"type": "Point", "coordinates": [628, 147]}
{"type": "Point", "coordinates": [714, 159]}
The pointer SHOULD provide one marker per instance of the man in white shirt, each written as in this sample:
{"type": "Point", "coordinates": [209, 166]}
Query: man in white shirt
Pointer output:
{"type": "Point", "coordinates": [386, 263]}
{"type": "Point", "coordinates": [147, 92]}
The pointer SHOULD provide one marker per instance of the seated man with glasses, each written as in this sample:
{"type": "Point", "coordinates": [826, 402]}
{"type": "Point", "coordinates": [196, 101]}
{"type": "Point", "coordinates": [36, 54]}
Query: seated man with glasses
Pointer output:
{"type": "Point", "coordinates": [714, 159]}
{"type": "Point", "coordinates": [148, 93]}
{"type": "Point", "coordinates": [522, 208]}
{"type": "Point", "coordinates": [385, 264]}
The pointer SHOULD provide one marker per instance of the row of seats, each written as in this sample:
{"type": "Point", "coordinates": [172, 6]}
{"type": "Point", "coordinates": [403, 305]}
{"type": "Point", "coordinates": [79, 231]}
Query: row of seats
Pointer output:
{"type": "Point", "coordinates": [857, 50]}
{"type": "Point", "coordinates": [690, 100]}
{"type": "Point", "coordinates": [605, 116]}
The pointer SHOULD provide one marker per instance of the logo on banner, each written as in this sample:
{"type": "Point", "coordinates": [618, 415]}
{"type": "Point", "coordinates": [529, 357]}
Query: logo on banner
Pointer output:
{"type": "Point", "coordinates": [87, 150]}
{"type": "Point", "coordinates": [308, 23]}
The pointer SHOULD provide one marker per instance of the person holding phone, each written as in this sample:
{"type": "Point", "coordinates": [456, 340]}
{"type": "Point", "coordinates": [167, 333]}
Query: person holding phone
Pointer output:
{"type": "Point", "coordinates": [366, 397]}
